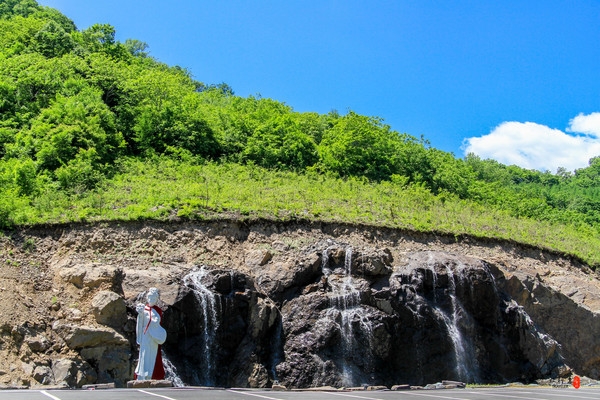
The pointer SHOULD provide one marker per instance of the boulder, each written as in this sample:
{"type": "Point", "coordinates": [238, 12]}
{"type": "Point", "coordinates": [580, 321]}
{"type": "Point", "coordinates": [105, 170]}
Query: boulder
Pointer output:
{"type": "Point", "coordinates": [112, 363]}
{"type": "Point", "coordinates": [42, 374]}
{"type": "Point", "coordinates": [372, 262]}
{"type": "Point", "coordinates": [454, 383]}
{"type": "Point", "coordinates": [27, 368]}
{"type": "Point", "coordinates": [109, 309]}
{"type": "Point", "coordinates": [74, 314]}
{"type": "Point", "coordinates": [259, 378]}
{"type": "Point", "coordinates": [90, 275]}
{"type": "Point", "coordinates": [222, 281]}
{"type": "Point", "coordinates": [277, 278]}
{"type": "Point", "coordinates": [98, 386]}
{"type": "Point", "coordinates": [150, 383]}
{"type": "Point", "coordinates": [74, 275]}
{"type": "Point", "coordinates": [103, 347]}
{"type": "Point", "coordinates": [258, 257]}
{"type": "Point", "coordinates": [78, 337]}
{"type": "Point", "coordinates": [434, 386]}
{"type": "Point", "coordinates": [263, 314]}
{"type": "Point", "coordinates": [73, 373]}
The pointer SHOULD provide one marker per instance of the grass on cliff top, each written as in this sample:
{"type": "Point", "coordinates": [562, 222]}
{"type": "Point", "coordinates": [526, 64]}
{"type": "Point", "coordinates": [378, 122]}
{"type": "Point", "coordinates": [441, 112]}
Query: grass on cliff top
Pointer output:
{"type": "Point", "coordinates": [162, 188]}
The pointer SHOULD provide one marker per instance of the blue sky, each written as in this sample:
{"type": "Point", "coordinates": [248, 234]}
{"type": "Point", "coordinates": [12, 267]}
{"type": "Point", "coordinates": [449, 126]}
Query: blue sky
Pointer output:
{"type": "Point", "coordinates": [518, 81]}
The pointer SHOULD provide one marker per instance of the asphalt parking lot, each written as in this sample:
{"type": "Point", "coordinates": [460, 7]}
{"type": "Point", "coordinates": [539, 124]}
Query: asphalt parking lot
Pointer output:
{"type": "Point", "coordinates": [509, 393]}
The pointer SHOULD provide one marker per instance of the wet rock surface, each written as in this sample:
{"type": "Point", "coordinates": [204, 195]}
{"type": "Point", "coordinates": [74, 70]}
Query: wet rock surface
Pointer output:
{"type": "Point", "coordinates": [437, 315]}
{"type": "Point", "coordinates": [434, 315]}
{"type": "Point", "coordinates": [297, 305]}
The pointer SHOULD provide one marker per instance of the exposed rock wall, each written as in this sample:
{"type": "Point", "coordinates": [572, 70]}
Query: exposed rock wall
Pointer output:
{"type": "Point", "coordinates": [575, 326]}
{"type": "Point", "coordinates": [307, 304]}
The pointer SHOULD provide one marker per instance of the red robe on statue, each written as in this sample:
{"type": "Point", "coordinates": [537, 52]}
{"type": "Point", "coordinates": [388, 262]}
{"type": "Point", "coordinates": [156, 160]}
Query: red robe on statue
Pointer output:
{"type": "Point", "coordinates": [159, 369]}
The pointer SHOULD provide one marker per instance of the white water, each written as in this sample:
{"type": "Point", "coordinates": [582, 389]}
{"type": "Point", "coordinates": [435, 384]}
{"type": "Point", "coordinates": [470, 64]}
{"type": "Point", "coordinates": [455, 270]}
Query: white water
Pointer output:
{"type": "Point", "coordinates": [466, 366]}
{"type": "Point", "coordinates": [463, 363]}
{"type": "Point", "coordinates": [434, 276]}
{"type": "Point", "coordinates": [325, 263]}
{"type": "Point", "coordinates": [171, 372]}
{"type": "Point", "coordinates": [210, 308]}
{"type": "Point", "coordinates": [345, 305]}
{"type": "Point", "coordinates": [345, 295]}
{"type": "Point", "coordinates": [525, 322]}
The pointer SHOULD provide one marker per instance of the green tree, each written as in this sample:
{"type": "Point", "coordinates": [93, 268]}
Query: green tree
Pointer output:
{"type": "Point", "coordinates": [221, 88]}
{"type": "Point", "coordinates": [53, 41]}
{"type": "Point", "coordinates": [279, 143]}
{"type": "Point", "coordinates": [70, 125]}
{"type": "Point", "coordinates": [174, 124]}
{"type": "Point", "coordinates": [359, 146]}
{"type": "Point", "coordinates": [136, 47]}
{"type": "Point", "coordinates": [101, 38]}
{"type": "Point", "coordinates": [9, 8]}
{"type": "Point", "coordinates": [25, 176]}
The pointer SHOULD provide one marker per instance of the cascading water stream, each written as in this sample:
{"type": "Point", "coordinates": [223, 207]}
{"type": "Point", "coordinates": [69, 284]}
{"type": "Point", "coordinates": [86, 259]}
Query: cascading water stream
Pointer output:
{"type": "Point", "coordinates": [171, 372]}
{"type": "Point", "coordinates": [345, 303]}
{"type": "Point", "coordinates": [464, 359]}
{"type": "Point", "coordinates": [210, 308]}
{"type": "Point", "coordinates": [460, 351]}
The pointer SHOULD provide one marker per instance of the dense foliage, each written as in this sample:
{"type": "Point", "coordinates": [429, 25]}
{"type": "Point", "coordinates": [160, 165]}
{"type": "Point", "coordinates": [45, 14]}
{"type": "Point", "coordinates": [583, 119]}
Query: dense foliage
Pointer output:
{"type": "Point", "coordinates": [78, 105]}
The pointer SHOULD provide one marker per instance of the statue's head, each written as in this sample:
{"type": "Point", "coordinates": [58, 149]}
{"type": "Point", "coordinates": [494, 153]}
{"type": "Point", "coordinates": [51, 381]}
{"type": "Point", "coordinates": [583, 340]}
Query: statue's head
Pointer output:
{"type": "Point", "coordinates": [152, 296]}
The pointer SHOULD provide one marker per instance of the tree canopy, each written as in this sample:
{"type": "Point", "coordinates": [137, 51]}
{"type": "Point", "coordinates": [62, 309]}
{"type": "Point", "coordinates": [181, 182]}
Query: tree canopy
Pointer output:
{"type": "Point", "coordinates": [75, 102]}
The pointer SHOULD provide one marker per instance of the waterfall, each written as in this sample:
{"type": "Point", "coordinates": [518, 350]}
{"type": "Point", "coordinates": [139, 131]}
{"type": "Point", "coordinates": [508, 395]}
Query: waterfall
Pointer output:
{"type": "Point", "coordinates": [460, 353]}
{"type": "Point", "coordinates": [465, 361]}
{"type": "Point", "coordinates": [463, 364]}
{"type": "Point", "coordinates": [325, 263]}
{"type": "Point", "coordinates": [210, 309]}
{"type": "Point", "coordinates": [345, 305]}
{"type": "Point", "coordinates": [171, 372]}
{"type": "Point", "coordinates": [433, 276]}
{"type": "Point", "coordinates": [346, 296]}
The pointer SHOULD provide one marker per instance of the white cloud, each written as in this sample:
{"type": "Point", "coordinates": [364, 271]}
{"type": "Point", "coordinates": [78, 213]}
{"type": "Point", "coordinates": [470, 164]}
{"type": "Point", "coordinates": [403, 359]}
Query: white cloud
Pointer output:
{"type": "Point", "coordinates": [588, 124]}
{"type": "Point", "coordinates": [534, 146]}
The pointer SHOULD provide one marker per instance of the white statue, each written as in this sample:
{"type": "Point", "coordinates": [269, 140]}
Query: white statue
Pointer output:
{"type": "Point", "coordinates": [150, 335]}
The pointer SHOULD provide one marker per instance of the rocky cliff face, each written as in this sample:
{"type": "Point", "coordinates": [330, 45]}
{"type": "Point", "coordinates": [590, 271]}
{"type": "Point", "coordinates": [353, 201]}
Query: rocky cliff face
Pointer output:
{"type": "Point", "coordinates": [302, 304]}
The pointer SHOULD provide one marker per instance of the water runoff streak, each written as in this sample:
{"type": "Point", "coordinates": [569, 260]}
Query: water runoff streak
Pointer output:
{"type": "Point", "coordinates": [171, 372]}
{"type": "Point", "coordinates": [464, 357]}
{"type": "Point", "coordinates": [345, 302]}
{"type": "Point", "coordinates": [210, 309]}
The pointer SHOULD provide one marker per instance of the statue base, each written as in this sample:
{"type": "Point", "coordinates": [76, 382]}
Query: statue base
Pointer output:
{"type": "Point", "coordinates": [150, 383]}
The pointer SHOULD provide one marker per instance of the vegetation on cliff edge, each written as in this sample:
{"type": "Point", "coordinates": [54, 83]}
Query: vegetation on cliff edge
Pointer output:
{"type": "Point", "coordinates": [95, 129]}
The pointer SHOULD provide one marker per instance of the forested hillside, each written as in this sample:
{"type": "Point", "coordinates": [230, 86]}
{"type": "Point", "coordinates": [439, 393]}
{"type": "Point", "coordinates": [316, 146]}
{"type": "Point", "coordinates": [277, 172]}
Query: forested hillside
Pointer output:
{"type": "Point", "coordinates": [94, 129]}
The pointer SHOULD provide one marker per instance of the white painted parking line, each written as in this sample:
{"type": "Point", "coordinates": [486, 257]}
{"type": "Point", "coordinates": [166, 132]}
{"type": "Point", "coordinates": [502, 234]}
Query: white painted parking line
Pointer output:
{"type": "Point", "coordinates": [49, 395]}
{"type": "Point", "coordinates": [253, 394]}
{"type": "Point", "coordinates": [503, 394]}
{"type": "Point", "coordinates": [353, 395]}
{"type": "Point", "coordinates": [157, 395]}
{"type": "Point", "coordinates": [559, 395]}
